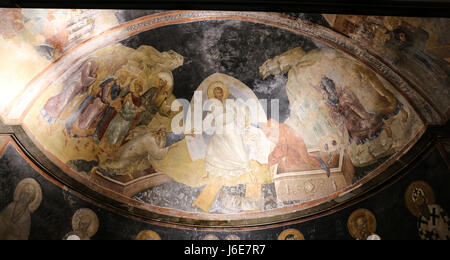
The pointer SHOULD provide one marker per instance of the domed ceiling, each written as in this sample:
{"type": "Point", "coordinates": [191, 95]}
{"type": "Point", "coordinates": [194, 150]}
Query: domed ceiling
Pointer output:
{"type": "Point", "coordinates": [212, 118]}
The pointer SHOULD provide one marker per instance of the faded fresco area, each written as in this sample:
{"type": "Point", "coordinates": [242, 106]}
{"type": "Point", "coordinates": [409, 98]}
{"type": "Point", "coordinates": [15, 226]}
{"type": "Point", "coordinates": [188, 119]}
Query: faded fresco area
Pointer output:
{"type": "Point", "coordinates": [31, 39]}
{"type": "Point", "coordinates": [211, 125]}
{"type": "Point", "coordinates": [419, 47]}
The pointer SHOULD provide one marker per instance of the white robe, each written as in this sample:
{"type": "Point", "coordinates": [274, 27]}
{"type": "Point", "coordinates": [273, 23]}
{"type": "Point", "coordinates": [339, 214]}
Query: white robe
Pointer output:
{"type": "Point", "coordinates": [225, 154]}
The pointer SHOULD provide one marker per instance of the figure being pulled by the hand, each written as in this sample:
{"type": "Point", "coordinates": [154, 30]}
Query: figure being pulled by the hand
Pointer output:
{"type": "Point", "coordinates": [143, 146]}
{"type": "Point", "coordinates": [290, 147]}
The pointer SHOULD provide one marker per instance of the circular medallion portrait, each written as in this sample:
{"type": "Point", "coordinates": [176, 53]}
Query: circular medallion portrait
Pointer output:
{"type": "Point", "coordinates": [291, 234]}
{"type": "Point", "coordinates": [418, 193]}
{"type": "Point", "coordinates": [85, 222]}
{"type": "Point", "coordinates": [148, 235]}
{"type": "Point", "coordinates": [361, 224]}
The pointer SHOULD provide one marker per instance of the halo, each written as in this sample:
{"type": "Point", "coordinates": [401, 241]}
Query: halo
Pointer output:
{"type": "Point", "coordinates": [371, 222]}
{"type": "Point", "coordinates": [232, 237]}
{"type": "Point", "coordinates": [429, 195]}
{"type": "Point", "coordinates": [93, 227]}
{"type": "Point", "coordinates": [165, 75]}
{"type": "Point", "coordinates": [217, 84]}
{"type": "Point", "coordinates": [37, 189]}
{"type": "Point", "coordinates": [139, 80]}
{"type": "Point", "coordinates": [291, 231]}
{"type": "Point", "coordinates": [148, 235]}
{"type": "Point", "coordinates": [210, 237]}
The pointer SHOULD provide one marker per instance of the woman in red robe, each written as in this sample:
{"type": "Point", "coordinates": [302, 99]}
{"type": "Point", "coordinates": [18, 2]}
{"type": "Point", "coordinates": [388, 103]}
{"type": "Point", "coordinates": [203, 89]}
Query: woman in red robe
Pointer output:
{"type": "Point", "coordinates": [289, 146]}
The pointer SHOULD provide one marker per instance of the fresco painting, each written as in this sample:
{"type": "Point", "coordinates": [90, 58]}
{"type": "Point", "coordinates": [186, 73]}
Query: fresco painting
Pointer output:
{"type": "Point", "coordinates": [85, 224]}
{"type": "Point", "coordinates": [116, 118]}
{"type": "Point", "coordinates": [2, 140]}
{"type": "Point", "coordinates": [15, 219]}
{"type": "Point", "coordinates": [418, 212]}
{"type": "Point", "coordinates": [432, 219]}
{"type": "Point", "coordinates": [416, 45]}
{"type": "Point", "coordinates": [362, 225]}
{"type": "Point", "coordinates": [120, 116]}
{"type": "Point", "coordinates": [148, 235]}
{"type": "Point", "coordinates": [33, 39]}
{"type": "Point", "coordinates": [291, 234]}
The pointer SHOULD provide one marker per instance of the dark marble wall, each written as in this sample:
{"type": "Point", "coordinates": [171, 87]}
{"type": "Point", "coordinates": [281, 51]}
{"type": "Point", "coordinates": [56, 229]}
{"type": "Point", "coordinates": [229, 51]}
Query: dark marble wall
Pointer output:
{"type": "Point", "coordinates": [52, 220]}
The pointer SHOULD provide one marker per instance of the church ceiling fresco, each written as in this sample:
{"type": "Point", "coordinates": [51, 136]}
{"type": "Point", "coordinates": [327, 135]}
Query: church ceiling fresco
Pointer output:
{"type": "Point", "coordinates": [221, 115]}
